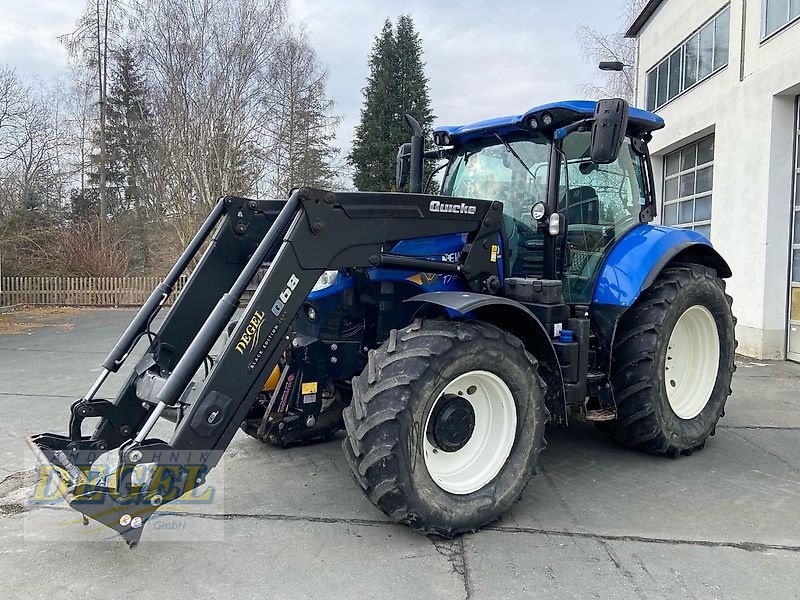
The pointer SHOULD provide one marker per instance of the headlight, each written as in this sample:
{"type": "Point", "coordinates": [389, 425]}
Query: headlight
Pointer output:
{"type": "Point", "coordinates": [326, 280]}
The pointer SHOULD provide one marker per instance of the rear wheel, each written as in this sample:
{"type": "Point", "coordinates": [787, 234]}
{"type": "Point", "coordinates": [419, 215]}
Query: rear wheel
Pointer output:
{"type": "Point", "coordinates": [673, 362]}
{"type": "Point", "coordinates": [446, 425]}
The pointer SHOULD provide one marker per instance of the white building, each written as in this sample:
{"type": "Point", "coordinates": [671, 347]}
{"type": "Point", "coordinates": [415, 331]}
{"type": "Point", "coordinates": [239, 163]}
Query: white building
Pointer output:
{"type": "Point", "coordinates": [726, 78]}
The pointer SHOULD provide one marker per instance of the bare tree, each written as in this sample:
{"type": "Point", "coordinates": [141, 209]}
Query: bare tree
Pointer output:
{"type": "Point", "coordinates": [30, 165]}
{"type": "Point", "coordinates": [208, 66]}
{"type": "Point", "coordinates": [301, 127]}
{"type": "Point", "coordinates": [33, 177]}
{"type": "Point", "coordinates": [91, 42]}
{"type": "Point", "coordinates": [81, 117]}
{"type": "Point", "coordinates": [236, 104]}
{"type": "Point", "coordinates": [14, 111]}
{"type": "Point", "coordinates": [597, 46]}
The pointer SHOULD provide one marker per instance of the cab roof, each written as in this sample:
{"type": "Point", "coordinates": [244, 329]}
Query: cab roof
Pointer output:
{"type": "Point", "coordinates": [640, 122]}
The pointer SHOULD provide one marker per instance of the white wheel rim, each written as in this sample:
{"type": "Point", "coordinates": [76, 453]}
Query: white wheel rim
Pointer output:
{"type": "Point", "coordinates": [479, 461]}
{"type": "Point", "coordinates": [692, 362]}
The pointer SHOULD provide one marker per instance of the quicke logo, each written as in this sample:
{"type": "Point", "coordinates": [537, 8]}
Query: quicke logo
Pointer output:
{"type": "Point", "coordinates": [459, 209]}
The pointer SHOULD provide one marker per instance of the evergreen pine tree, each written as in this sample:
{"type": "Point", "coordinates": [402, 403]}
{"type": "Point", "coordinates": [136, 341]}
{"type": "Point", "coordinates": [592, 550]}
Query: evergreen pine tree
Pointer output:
{"type": "Point", "coordinates": [411, 82]}
{"type": "Point", "coordinates": [130, 131]}
{"type": "Point", "coordinates": [396, 85]}
{"type": "Point", "coordinates": [129, 137]}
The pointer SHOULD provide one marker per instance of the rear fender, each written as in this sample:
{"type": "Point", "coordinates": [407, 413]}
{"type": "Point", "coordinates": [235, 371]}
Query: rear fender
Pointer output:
{"type": "Point", "coordinates": [510, 316]}
{"type": "Point", "coordinates": [636, 261]}
{"type": "Point", "coordinates": [641, 254]}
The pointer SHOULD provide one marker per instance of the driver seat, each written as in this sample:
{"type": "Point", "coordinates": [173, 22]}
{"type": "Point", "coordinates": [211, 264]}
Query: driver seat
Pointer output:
{"type": "Point", "coordinates": [584, 205]}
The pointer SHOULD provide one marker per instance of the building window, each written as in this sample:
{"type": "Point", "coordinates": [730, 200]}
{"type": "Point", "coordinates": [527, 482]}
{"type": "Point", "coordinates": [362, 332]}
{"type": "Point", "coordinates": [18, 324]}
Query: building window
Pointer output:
{"type": "Point", "coordinates": [778, 13]}
{"type": "Point", "coordinates": [688, 183]}
{"type": "Point", "coordinates": [699, 57]}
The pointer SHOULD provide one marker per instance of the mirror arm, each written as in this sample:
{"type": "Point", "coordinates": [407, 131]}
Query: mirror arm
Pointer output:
{"type": "Point", "coordinates": [437, 154]}
{"type": "Point", "coordinates": [563, 132]}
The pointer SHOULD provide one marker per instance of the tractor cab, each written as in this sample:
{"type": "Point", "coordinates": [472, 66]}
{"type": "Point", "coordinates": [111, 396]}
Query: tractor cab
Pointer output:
{"type": "Point", "coordinates": [565, 205]}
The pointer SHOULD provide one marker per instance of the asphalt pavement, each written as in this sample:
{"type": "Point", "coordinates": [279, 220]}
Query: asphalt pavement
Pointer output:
{"type": "Point", "coordinates": [598, 521]}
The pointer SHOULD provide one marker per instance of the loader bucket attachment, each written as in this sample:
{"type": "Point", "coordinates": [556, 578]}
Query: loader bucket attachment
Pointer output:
{"type": "Point", "coordinates": [118, 475]}
{"type": "Point", "coordinates": [67, 471]}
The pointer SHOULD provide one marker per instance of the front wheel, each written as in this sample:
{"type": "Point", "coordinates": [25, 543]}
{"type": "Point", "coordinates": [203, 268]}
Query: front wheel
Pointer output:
{"type": "Point", "coordinates": [672, 363]}
{"type": "Point", "coordinates": [446, 425]}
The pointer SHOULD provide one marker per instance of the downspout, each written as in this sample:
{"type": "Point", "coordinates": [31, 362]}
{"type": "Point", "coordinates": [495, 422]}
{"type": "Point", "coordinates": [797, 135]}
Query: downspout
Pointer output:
{"type": "Point", "coordinates": [743, 40]}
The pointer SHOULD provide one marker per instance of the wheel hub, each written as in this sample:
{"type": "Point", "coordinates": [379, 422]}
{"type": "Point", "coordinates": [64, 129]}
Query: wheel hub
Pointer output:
{"type": "Point", "coordinates": [692, 362]}
{"type": "Point", "coordinates": [469, 432]}
{"type": "Point", "coordinates": [452, 423]}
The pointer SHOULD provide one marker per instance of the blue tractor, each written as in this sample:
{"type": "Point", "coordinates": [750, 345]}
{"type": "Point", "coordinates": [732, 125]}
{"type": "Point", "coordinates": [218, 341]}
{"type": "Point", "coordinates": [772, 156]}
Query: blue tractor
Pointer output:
{"type": "Point", "coordinates": [442, 332]}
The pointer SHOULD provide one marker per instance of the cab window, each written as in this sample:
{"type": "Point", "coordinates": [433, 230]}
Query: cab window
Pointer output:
{"type": "Point", "coordinates": [517, 178]}
{"type": "Point", "coordinates": [600, 203]}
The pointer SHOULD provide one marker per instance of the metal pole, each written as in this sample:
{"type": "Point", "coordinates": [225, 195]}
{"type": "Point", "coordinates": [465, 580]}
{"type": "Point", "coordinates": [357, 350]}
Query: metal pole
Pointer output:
{"type": "Point", "coordinates": [150, 423]}
{"type": "Point", "coordinates": [96, 385]}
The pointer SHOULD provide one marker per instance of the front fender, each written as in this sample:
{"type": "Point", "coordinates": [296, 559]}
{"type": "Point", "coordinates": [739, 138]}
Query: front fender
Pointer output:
{"type": "Point", "coordinates": [642, 253]}
{"type": "Point", "coordinates": [513, 317]}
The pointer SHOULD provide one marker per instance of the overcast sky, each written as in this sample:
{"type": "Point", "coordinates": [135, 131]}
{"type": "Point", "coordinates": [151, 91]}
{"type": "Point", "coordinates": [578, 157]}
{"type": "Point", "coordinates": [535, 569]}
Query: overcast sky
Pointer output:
{"type": "Point", "coordinates": [484, 58]}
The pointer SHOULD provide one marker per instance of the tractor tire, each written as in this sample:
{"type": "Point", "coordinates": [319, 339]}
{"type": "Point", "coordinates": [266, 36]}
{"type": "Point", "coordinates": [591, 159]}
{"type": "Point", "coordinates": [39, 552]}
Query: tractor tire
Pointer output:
{"type": "Point", "coordinates": [446, 425]}
{"type": "Point", "coordinates": [672, 363]}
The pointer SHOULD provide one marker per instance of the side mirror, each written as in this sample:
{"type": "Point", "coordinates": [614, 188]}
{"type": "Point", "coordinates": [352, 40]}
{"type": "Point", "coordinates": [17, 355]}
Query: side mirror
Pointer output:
{"type": "Point", "coordinates": [608, 130]}
{"type": "Point", "coordinates": [403, 166]}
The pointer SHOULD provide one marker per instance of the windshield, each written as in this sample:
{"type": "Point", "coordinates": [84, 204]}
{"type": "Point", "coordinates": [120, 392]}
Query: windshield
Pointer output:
{"type": "Point", "coordinates": [490, 171]}
{"type": "Point", "coordinates": [514, 171]}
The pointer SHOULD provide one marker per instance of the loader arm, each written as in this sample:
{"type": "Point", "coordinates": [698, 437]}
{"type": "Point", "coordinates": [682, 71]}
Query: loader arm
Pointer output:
{"type": "Point", "coordinates": [313, 231]}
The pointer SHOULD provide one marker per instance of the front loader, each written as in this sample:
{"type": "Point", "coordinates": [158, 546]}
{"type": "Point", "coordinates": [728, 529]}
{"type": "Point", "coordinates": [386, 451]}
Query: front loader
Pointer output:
{"type": "Point", "coordinates": [441, 331]}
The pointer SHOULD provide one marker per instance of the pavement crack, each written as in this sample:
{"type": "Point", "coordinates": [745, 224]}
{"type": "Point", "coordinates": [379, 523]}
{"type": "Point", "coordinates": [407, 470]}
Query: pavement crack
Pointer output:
{"type": "Point", "coordinates": [759, 427]}
{"type": "Point", "coordinates": [460, 565]}
{"type": "Point", "coordinates": [562, 501]}
{"type": "Point", "coordinates": [772, 454]}
{"type": "Point", "coordinates": [743, 545]}
{"type": "Point", "coordinates": [454, 552]}
{"type": "Point", "coordinates": [49, 351]}
{"type": "Point", "coordinates": [35, 395]}
{"type": "Point", "coordinates": [278, 517]}
{"type": "Point", "coordinates": [623, 570]}
{"type": "Point", "coordinates": [468, 588]}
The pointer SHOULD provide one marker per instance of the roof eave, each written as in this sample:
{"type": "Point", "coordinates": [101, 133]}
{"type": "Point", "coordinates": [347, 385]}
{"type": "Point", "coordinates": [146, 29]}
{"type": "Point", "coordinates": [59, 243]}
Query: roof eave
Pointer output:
{"type": "Point", "coordinates": [649, 9]}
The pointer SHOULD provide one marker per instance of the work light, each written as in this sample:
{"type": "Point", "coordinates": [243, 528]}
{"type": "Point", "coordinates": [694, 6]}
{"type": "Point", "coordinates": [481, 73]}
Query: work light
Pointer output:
{"type": "Point", "coordinates": [538, 211]}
